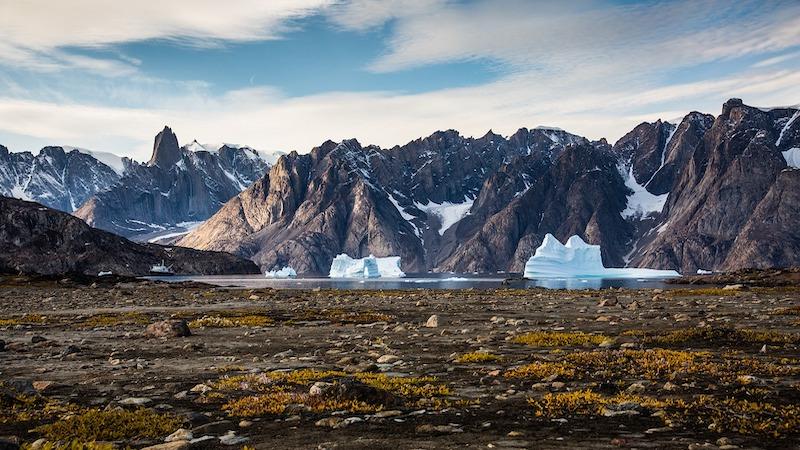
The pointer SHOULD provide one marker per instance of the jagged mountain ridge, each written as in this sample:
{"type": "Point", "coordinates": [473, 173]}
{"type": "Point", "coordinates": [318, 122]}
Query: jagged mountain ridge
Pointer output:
{"type": "Point", "coordinates": [178, 185]}
{"type": "Point", "coordinates": [55, 177]}
{"type": "Point", "coordinates": [447, 202]}
{"type": "Point", "coordinates": [65, 178]}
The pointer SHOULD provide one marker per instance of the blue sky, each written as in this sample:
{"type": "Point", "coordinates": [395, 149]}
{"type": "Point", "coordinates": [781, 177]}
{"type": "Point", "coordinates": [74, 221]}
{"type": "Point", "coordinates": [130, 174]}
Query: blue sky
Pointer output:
{"type": "Point", "coordinates": [289, 74]}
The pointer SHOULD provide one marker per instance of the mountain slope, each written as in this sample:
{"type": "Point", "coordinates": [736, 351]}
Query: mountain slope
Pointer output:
{"type": "Point", "coordinates": [37, 239]}
{"type": "Point", "coordinates": [718, 193]}
{"type": "Point", "coordinates": [58, 178]}
{"type": "Point", "coordinates": [176, 186]}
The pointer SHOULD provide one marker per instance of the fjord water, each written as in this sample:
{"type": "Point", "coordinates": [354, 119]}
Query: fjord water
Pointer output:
{"type": "Point", "coordinates": [419, 281]}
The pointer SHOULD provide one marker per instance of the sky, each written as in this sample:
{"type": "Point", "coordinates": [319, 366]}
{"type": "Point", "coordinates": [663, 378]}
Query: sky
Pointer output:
{"type": "Point", "coordinates": [284, 75]}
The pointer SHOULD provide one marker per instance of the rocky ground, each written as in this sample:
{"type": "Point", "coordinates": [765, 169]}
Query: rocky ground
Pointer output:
{"type": "Point", "coordinates": [689, 367]}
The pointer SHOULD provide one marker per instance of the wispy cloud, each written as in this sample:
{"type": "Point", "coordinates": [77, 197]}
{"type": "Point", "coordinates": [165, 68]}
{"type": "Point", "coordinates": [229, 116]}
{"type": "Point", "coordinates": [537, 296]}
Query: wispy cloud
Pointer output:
{"type": "Point", "coordinates": [593, 67]}
{"type": "Point", "coordinates": [35, 33]}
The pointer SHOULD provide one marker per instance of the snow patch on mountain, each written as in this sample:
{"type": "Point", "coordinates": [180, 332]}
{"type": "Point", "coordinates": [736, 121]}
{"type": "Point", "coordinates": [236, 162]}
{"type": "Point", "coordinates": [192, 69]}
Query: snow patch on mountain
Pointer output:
{"type": "Point", "coordinates": [113, 161]}
{"type": "Point", "coordinates": [792, 157]}
{"type": "Point", "coordinates": [449, 213]}
{"type": "Point", "coordinates": [641, 203]}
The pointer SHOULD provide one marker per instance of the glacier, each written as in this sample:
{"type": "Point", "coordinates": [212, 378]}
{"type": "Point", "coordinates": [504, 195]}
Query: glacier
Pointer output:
{"type": "Point", "coordinates": [286, 272]}
{"type": "Point", "coordinates": [343, 266]}
{"type": "Point", "coordinates": [576, 258]}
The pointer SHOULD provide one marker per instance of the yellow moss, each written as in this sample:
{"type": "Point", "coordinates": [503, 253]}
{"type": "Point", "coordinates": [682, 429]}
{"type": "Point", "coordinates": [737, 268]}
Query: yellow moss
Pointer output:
{"type": "Point", "coordinates": [477, 357]}
{"type": "Point", "coordinates": [543, 369]}
{"type": "Point", "coordinates": [96, 425]}
{"type": "Point", "coordinates": [72, 445]}
{"type": "Point", "coordinates": [25, 319]}
{"type": "Point", "coordinates": [216, 321]}
{"type": "Point", "coordinates": [717, 414]}
{"type": "Point", "coordinates": [404, 386]}
{"type": "Point", "coordinates": [652, 364]}
{"type": "Point", "coordinates": [275, 403]}
{"type": "Point", "coordinates": [559, 338]}
{"type": "Point", "coordinates": [106, 320]}
{"type": "Point", "coordinates": [337, 315]}
{"type": "Point", "coordinates": [15, 407]}
{"type": "Point", "coordinates": [582, 402]}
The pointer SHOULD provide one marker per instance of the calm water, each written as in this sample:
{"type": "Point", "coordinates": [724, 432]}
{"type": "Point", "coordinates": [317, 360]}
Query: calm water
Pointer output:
{"type": "Point", "coordinates": [417, 281]}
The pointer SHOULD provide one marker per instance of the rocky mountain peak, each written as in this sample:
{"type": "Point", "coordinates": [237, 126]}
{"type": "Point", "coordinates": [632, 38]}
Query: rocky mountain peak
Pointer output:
{"type": "Point", "coordinates": [166, 151]}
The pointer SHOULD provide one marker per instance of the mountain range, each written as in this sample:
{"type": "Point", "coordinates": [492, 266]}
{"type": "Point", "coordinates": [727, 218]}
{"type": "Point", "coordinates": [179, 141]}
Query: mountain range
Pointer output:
{"type": "Point", "coordinates": [713, 193]}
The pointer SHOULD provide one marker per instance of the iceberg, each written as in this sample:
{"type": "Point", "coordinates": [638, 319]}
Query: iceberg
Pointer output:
{"type": "Point", "coordinates": [343, 266]}
{"type": "Point", "coordinates": [576, 258]}
{"type": "Point", "coordinates": [286, 272]}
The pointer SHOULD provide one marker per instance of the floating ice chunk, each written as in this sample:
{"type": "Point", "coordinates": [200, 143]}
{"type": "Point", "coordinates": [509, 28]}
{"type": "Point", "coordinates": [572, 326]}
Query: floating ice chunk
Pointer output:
{"type": "Point", "coordinates": [286, 272]}
{"type": "Point", "coordinates": [104, 273]}
{"type": "Point", "coordinates": [577, 259]}
{"type": "Point", "coordinates": [704, 272]}
{"type": "Point", "coordinates": [389, 267]}
{"type": "Point", "coordinates": [343, 266]}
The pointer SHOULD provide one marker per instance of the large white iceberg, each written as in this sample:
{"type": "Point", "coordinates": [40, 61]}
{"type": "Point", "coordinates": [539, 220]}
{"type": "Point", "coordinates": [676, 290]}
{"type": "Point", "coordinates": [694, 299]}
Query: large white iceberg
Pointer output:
{"type": "Point", "coordinates": [578, 259]}
{"type": "Point", "coordinates": [343, 266]}
{"type": "Point", "coordinates": [286, 272]}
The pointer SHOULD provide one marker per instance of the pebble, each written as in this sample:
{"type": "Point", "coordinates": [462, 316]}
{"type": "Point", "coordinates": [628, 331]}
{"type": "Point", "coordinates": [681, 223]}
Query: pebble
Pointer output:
{"type": "Point", "coordinates": [181, 434]}
{"type": "Point", "coordinates": [388, 359]}
{"type": "Point", "coordinates": [230, 438]}
{"type": "Point", "coordinates": [168, 328]}
{"type": "Point", "coordinates": [432, 322]}
{"type": "Point", "coordinates": [135, 401]}
{"type": "Point", "coordinates": [328, 422]}
{"type": "Point", "coordinates": [174, 445]}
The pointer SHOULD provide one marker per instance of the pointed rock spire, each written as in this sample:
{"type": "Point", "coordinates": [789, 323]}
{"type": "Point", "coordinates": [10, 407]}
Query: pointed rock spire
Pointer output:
{"type": "Point", "coordinates": [165, 149]}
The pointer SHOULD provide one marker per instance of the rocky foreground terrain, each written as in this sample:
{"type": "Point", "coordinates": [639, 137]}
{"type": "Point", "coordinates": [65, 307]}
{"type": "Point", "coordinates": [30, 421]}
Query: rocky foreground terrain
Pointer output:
{"type": "Point", "coordinates": [685, 367]}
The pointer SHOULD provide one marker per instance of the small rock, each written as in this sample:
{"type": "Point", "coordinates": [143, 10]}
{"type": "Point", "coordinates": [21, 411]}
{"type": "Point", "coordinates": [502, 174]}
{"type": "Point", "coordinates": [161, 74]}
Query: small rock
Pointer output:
{"type": "Point", "coordinates": [328, 422]}
{"type": "Point", "coordinates": [633, 306]}
{"type": "Point", "coordinates": [181, 434]}
{"type": "Point", "coordinates": [735, 287]}
{"type": "Point", "coordinates": [168, 328]}
{"type": "Point", "coordinates": [388, 413]}
{"type": "Point", "coordinates": [515, 434]}
{"type": "Point", "coordinates": [135, 401]}
{"type": "Point", "coordinates": [35, 339]}
{"type": "Point", "coordinates": [42, 386]}
{"type": "Point", "coordinates": [388, 359]}
{"type": "Point", "coordinates": [174, 445]}
{"type": "Point", "coordinates": [216, 428]}
{"type": "Point", "coordinates": [428, 428]}
{"type": "Point", "coordinates": [71, 350]}
{"type": "Point", "coordinates": [245, 424]}
{"type": "Point", "coordinates": [200, 388]}
{"type": "Point", "coordinates": [254, 297]}
{"type": "Point", "coordinates": [230, 438]}
{"type": "Point", "coordinates": [432, 322]}
{"type": "Point", "coordinates": [2, 345]}
{"type": "Point", "coordinates": [319, 388]}
{"type": "Point", "coordinates": [282, 355]}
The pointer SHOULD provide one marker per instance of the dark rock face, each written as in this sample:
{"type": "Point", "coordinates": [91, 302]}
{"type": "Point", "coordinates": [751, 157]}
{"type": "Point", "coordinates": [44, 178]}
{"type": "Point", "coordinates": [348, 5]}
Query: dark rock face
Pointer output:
{"type": "Point", "coordinates": [37, 239]}
{"type": "Point", "coordinates": [56, 178]}
{"type": "Point", "coordinates": [581, 193]}
{"type": "Point", "coordinates": [730, 197]}
{"type": "Point", "coordinates": [177, 185]}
